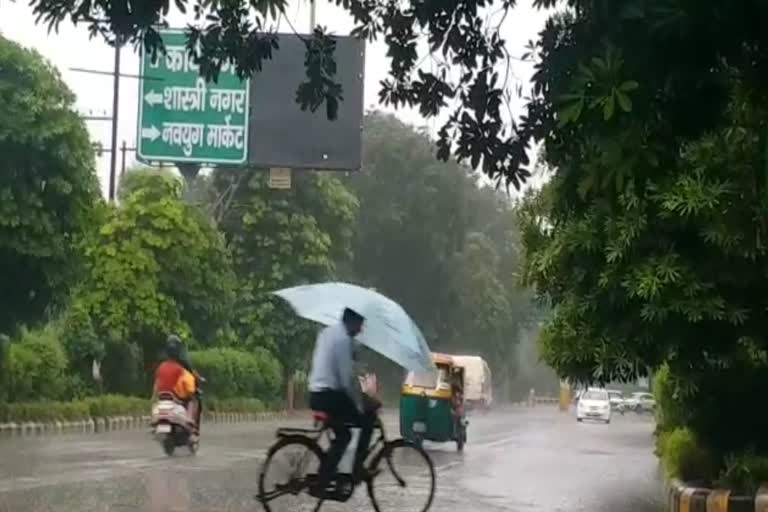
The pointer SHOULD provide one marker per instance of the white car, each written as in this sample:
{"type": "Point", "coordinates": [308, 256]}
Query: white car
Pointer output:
{"type": "Point", "coordinates": [617, 400]}
{"type": "Point", "coordinates": [640, 402]}
{"type": "Point", "coordinates": [594, 404]}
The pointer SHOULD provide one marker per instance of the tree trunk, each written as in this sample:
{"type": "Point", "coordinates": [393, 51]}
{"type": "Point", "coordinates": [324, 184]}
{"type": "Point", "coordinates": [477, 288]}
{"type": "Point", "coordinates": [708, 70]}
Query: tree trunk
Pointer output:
{"type": "Point", "coordinates": [289, 392]}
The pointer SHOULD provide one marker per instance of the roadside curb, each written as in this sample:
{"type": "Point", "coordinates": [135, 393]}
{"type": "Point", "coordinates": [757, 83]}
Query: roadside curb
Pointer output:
{"type": "Point", "coordinates": [123, 423]}
{"type": "Point", "coordinates": [684, 498]}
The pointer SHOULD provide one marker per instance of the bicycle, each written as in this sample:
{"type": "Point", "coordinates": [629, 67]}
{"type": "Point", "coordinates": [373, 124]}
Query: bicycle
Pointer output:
{"type": "Point", "coordinates": [301, 479]}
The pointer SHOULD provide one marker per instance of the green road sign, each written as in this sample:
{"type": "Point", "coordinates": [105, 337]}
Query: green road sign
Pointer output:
{"type": "Point", "coordinates": [183, 118]}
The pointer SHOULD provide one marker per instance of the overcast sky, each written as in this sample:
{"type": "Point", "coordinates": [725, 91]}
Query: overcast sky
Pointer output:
{"type": "Point", "coordinates": [71, 48]}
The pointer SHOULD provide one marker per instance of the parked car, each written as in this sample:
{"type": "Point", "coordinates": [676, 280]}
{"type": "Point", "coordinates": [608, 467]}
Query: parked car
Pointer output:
{"type": "Point", "coordinates": [640, 402]}
{"type": "Point", "coordinates": [594, 404]}
{"type": "Point", "coordinates": [617, 400]}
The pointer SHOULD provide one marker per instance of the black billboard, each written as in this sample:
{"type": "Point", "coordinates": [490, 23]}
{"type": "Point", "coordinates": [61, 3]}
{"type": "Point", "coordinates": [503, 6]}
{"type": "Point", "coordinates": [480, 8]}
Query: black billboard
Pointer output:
{"type": "Point", "coordinates": [282, 135]}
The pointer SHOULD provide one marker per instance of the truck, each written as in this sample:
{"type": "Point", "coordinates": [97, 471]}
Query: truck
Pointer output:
{"type": "Point", "coordinates": [478, 390]}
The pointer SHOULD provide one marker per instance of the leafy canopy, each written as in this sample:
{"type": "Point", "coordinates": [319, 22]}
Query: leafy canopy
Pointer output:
{"type": "Point", "coordinates": [48, 186]}
{"type": "Point", "coordinates": [156, 265]}
{"type": "Point", "coordinates": [649, 240]}
{"type": "Point", "coordinates": [446, 249]}
{"type": "Point", "coordinates": [281, 238]}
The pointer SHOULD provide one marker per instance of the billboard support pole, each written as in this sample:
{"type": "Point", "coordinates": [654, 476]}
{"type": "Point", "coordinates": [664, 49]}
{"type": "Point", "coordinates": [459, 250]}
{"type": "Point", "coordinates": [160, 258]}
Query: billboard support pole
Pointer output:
{"type": "Point", "coordinates": [115, 107]}
{"type": "Point", "coordinates": [312, 13]}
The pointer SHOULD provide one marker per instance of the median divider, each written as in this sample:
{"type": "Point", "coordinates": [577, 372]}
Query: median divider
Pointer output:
{"type": "Point", "coordinates": [546, 400]}
{"type": "Point", "coordinates": [687, 498]}
{"type": "Point", "coordinates": [122, 423]}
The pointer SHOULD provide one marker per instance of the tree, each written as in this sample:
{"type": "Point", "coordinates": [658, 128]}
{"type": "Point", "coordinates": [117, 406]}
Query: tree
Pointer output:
{"type": "Point", "coordinates": [649, 239]}
{"type": "Point", "coordinates": [48, 187]}
{"type": "Point", "coordinates": [157, 265]}
{"type": "Point", "coordinates": [448, 250]}
{"type": "Point", "coordinates": [282, 238]}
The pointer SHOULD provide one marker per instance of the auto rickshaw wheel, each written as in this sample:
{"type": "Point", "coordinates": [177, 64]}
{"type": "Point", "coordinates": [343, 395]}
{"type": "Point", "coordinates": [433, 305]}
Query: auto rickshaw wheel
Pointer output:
{"type": "Point", "coordinates": [461, 439]}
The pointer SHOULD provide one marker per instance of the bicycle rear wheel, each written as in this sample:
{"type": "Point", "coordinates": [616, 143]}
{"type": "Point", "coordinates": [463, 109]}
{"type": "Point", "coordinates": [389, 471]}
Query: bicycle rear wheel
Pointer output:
{"type": "Point", "coordinates": [405, 481]}
{"type": "Point", "coordinates": [289, 469]}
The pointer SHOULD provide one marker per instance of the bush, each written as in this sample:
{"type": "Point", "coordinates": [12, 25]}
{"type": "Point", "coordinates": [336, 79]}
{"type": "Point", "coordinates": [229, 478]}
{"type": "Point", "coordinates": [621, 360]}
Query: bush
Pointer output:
{"type": "Point", "coordinates": [98, 407]}
{"type": "Point", "coordinates": [44, 412]}
{"type": "Point", "coordinates": [669, 411]}
{"type": "Point", "coordinates": [242, 405]}
{"type": "Point", "coordinates": [683, 458]}
{"type": "Point", "coordinates": [37, 366]}
{"type": "Point", "coordinates": [117, 405]}
{"type": "Point", "coordinates": [234, 373]}
{"type": "Point", "coordinates": [744, 474]}
{"type": "Point", "coordinates": [109, 405]}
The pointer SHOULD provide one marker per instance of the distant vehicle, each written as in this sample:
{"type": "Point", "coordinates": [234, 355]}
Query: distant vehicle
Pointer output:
{"type": "Point", "coordinates": [617, 400]}
{"type": "Point", "coordinates": [594, 404]}
{"type": "Point", "coordinates": [640, 402]}
{"type": "Point", "coordinates": [478, 392]}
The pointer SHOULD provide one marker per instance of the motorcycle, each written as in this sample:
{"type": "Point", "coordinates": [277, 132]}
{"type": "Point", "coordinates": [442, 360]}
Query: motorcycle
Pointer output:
{"type": "Point", "coordinates": [171, 424]}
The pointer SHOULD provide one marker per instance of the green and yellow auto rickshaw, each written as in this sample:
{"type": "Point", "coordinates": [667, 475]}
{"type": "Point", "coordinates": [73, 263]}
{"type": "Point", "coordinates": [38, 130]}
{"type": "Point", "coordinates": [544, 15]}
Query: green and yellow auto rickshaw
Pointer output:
{"type": "Point", "coordinates": [432, 404]}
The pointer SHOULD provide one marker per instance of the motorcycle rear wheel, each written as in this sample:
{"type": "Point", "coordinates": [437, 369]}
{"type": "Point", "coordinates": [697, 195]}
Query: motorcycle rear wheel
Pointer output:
{"type": "Point", "coordinates": [169, 445]}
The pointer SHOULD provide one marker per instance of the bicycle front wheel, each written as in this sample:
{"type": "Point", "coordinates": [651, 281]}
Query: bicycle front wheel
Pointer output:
{"type": "Point", "coordinates": [290, 468]}
{"type": "Point", "coordinates": [405, 481]}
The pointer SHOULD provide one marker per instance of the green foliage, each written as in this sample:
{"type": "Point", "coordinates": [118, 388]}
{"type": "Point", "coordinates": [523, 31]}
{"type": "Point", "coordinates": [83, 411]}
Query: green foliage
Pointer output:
{"type": "Point", "coordinates": [447, 250]}
{"type": "Point", "coordinates": [745, 474]}
{"type": "Point", "coordinates": [235, 373]}
{"type": "Point", "coordinates": [278, 239]}
{"type": "Point", "coordinates": [157, 265]}
{"type": "Point", "coordinates": [670, 409]}
{"type": "Point", "coordinates": [239, 405]}
{"type": "Point", "coordinates": [5, 360]}
{"type": "Point", "coordinates": [109, 406]}
{"type": "Point", "coordinates": [649, 240]}
{"type": "Point", "coordinates": [48, 187]}
{"type": "Point", "coordinates": [37, 366]}
{"type": "Point", "coordinates": [45, 412]}
{"type": "Point", "coordinates": [684, 459]}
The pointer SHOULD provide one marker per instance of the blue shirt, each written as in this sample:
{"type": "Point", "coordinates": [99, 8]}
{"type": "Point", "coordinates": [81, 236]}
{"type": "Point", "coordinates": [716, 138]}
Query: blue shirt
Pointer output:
{"type": "Point", "coordinates": [333, 363]}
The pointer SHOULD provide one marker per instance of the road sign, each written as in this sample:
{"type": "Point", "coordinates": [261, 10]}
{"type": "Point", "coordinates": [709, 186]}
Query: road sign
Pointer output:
{"type": "Point", "coordinates": [282, 135]}
{"type": "Point", "coordinates": [183, 118]}
{"type": "Point", "coordinates": [280, 178]}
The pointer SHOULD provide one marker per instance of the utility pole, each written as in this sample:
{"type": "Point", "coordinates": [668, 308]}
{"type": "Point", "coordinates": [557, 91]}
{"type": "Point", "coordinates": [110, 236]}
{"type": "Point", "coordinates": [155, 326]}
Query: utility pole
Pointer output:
{"type": "Point", "coordinates": [115, 108]}
{"type": "Point", "coordinates": [124, 150]}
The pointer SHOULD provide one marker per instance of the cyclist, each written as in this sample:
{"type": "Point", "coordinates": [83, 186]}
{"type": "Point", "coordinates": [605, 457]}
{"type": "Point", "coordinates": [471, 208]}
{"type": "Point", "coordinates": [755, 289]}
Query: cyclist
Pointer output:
{"type": "Point", "coordinates": [335, 390]}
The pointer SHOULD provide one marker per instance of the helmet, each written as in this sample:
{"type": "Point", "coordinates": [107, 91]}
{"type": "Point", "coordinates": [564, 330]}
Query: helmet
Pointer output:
{"type": "Point", "coordinates": [173, 346]}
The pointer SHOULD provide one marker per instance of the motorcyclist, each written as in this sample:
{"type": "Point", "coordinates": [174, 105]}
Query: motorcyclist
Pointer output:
{"type": "Point", "coordinates": [174, 375]}
{"type": "Point", "coordinates": [335, 390]}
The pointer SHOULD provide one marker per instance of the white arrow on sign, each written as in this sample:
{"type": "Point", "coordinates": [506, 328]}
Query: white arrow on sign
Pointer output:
{"type": "Point", "coordinates": [150, 133]}
{"type": "Point", "coordinates": [153, 98]}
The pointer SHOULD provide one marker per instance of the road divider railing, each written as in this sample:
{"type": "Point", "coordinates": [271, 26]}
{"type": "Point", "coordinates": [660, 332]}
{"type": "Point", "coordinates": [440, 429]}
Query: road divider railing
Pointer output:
{"type": "Point", "coordinates": [546, 400]}
{"type": "Point", "coordinates": [118, 423]}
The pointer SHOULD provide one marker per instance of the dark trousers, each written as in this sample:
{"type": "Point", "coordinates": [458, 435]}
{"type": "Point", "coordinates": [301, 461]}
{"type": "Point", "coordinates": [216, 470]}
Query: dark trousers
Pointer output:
{"type": "Point", "coordinates": [341, 410]}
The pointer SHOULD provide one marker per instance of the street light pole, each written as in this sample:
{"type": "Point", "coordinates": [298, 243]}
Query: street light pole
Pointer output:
{"type": "Point", "coordinates": [115, 107]}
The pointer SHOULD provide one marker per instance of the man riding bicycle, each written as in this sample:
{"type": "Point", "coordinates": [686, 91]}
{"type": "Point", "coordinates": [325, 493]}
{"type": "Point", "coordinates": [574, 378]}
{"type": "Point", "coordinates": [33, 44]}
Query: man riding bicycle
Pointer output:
{"type": "Point", "coordinates": [335, 390]}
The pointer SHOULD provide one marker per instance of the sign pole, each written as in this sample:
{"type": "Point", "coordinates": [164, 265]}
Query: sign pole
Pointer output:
{"type": "Point", "coordinates": [115, 106]}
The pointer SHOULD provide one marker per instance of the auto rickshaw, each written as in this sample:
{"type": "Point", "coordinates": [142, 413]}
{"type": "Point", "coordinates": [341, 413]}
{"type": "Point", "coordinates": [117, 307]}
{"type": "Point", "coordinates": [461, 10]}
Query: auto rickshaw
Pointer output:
{"type": "Point", "coordinates": [432, 404]}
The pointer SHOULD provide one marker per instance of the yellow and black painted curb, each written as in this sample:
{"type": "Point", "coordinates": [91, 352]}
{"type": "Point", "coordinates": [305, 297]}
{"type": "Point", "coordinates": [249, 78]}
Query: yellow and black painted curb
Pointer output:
{"type": "Point", "coordinates": [684, 498]}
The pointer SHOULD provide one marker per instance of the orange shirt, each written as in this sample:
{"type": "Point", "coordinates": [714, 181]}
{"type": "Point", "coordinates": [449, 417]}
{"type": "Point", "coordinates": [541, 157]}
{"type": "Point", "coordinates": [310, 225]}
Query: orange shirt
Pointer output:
{"type": "Point", "coordinates": [171, 377]}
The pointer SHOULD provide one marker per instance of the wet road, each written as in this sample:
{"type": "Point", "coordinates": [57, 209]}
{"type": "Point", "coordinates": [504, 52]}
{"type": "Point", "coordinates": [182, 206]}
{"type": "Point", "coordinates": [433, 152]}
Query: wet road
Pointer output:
{"type": "Point", "coordinates": [521, 460]}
